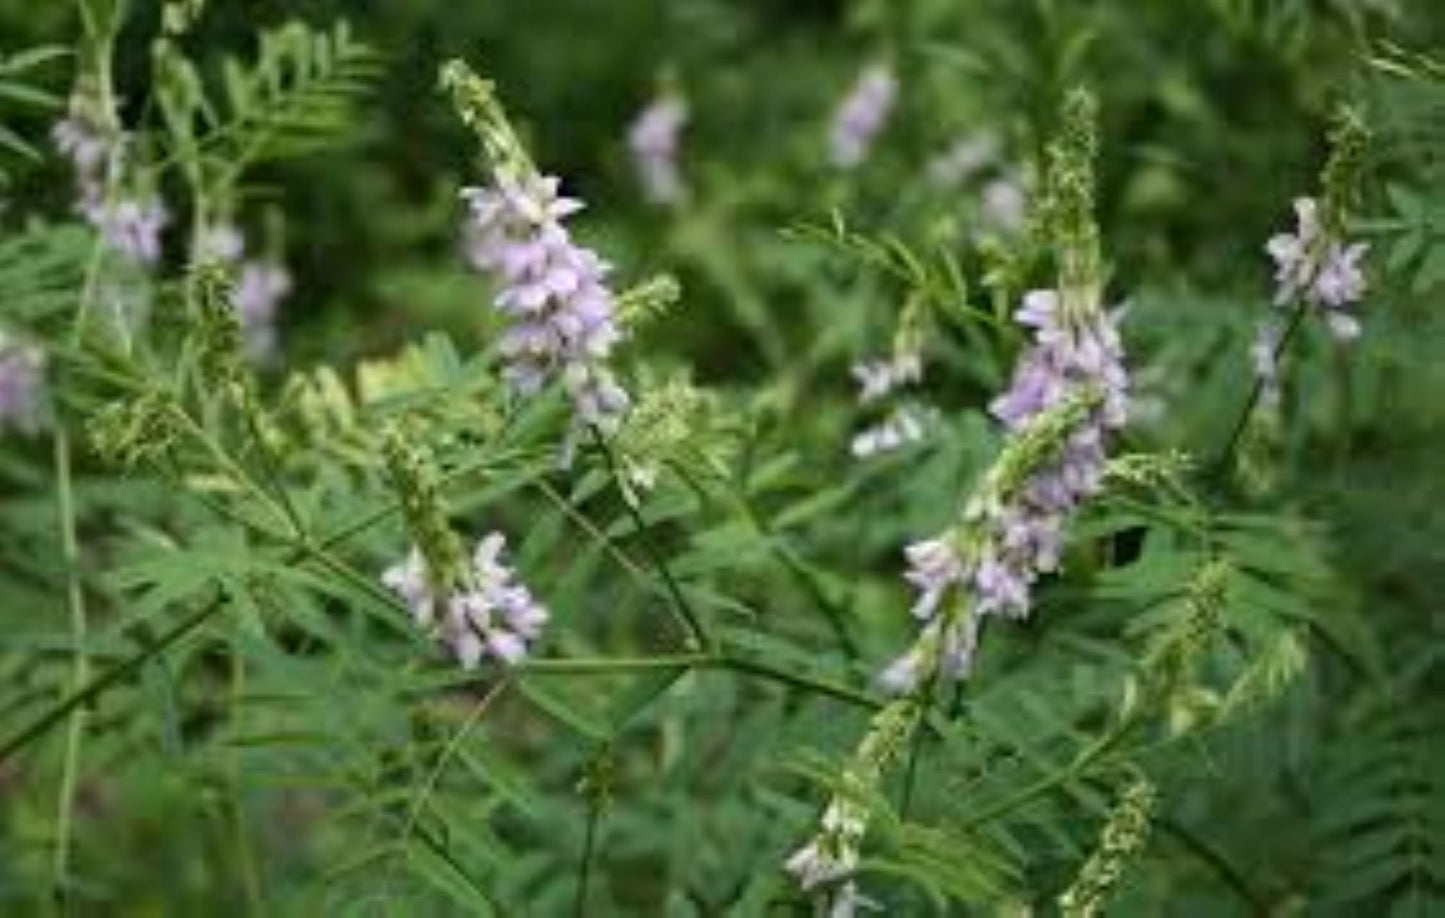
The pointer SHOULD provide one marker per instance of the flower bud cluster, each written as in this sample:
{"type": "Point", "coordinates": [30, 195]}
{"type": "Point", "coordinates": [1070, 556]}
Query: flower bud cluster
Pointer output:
{"type": "Point", "coordinates": [1121, 840]}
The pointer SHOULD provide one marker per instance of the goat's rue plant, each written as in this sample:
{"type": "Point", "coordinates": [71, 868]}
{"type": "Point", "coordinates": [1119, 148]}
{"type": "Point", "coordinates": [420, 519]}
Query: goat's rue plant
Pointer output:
{"type": "Point", "coordinates": [871, 517]}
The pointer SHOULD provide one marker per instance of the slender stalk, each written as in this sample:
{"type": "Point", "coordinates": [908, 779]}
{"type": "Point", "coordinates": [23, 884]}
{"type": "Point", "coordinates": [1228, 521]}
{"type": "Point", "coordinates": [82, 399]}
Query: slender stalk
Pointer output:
{"type": "Point", "coordinates": [699, 637]}
{"type": "Point", "coordinates": [835, 614]}
{"type": "Point", "coordinates": [915, 750]}
{"type": "Point", "coordinates": [1221, 464]}
{"type": "Point", "coordinates": [1086, 757]}
{"type": "Point", "coordinates": [1227, 872]}
{"type": "Point", "coordinates": [80, 667]}
{"type": "Point", "coordinates": [584, 869]}
{"type": "Point", "coordinates": [589, 842]}
{"type": "Point", "coordinates": [100, 684]}
{"type": "Point", "coordinates": [250, 878]}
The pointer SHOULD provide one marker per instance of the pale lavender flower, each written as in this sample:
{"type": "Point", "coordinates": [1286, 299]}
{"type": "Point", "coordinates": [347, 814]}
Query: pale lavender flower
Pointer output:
{"type": "Point", "coordinates": [653, 141]}
{"type": "Point", "coordinates": [861, 115]}
{"type": "Point", "coordinates": [934, 566]}
{"type": "Point", "coordinates": [847, 900]}
{"type": "Point", "coordinates": [260, 288]}
{"type": "Point", "coordinates": [79, 138]}
{"type": "Point", "coordinates": [487, 614]}
{"type": "Point", "coordinates": [963, 159]}
{"type": "Point", "coordinates": [1312, 265]}
{"type": "Point", "coordinates": [1008, 539]}
{"type": "Point", "coordinates": [22, 385]}
{"type": "Point", "coordinates": [554, 292]}
{"type": "Point", "coordinates": [131, 226]}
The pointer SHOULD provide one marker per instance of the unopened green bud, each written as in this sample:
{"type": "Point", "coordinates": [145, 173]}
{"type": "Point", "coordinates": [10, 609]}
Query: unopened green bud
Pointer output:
{"type": "Point", "coordinates": [1121, 840]}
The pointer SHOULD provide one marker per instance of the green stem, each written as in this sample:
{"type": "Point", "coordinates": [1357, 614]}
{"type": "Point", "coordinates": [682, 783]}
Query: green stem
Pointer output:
{"type": "Point", "coordinates": [1086, 757]}
{"type": "Point", "coordinates": [250, 879]}
{"type": "Point", "coordinates": [1221, 464]}
{"type": "Point", "coordinates": [98, 685]}
{"type": "Point", "coordinates": [80, 669]}
{"type": "Point", "coordinates": [584, 870]}
{"type": "Point", "coordinates": [699, 637]}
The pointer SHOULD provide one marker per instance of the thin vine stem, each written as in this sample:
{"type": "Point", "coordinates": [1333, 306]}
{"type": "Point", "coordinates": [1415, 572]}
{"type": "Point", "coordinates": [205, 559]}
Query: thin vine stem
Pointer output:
{"type": "Point", "coordinates": [699, 636]}
{"type": "Point", "coordinates": [1221, 464]}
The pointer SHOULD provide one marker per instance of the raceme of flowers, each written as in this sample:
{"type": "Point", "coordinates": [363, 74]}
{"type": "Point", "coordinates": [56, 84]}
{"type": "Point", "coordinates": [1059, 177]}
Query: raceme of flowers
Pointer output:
{"type": "Point", "coordinates": [22, 385]}
{"type": "Point", "coordinates": [487, 614]}
{"type": "Point", "coordinates": [130, 225]}
{"type": "Point", "coordinates": [653, 140]}
{"type": "Point", "coordinates": [1013, 533]}
{"type": "Point", "coordinates": [554, 291]}
{"type": "Point", "coordinates": [861, 116]}
{"type": "Point", "coordinates": [1316, 267]}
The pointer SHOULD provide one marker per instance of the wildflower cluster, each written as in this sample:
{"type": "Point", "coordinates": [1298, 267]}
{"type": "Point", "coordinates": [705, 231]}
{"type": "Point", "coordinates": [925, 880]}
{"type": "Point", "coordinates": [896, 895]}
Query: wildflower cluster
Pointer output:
{"type": "Point", "coordinates": [861, 116]}
{"type": "Point", "coordinates": [485, 612]}
{"type": "Point", "coordinates": [904, 423]}
{"type": "Point", "coordinates": [129, 223]}
{"type": "Point", "coordinates": [992, 557]}
{"type": "Point", "coordinates": [653, 140]}
{"type": "Point", "coordinates": [552, 290]}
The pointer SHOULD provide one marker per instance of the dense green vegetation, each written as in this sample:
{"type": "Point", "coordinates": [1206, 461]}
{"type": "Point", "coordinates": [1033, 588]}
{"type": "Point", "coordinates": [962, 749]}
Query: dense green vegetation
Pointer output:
{"type": "Point", "coordinates": [256, 343]}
